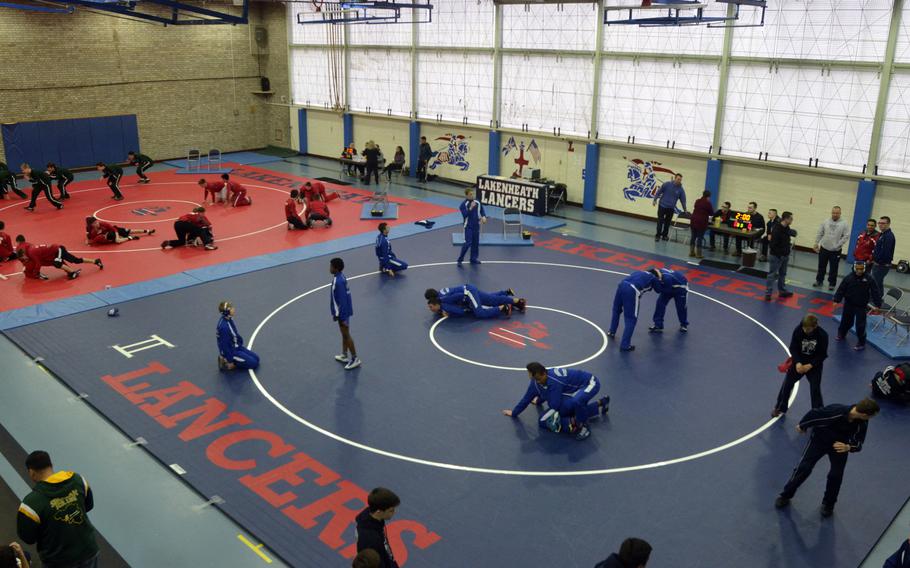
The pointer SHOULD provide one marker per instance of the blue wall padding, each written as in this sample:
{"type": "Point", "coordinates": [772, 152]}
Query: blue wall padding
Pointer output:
{"type": "Point", "coordinates": [592, 167]}
{"type": "Point", "coordinates": [415, 148]}
{"type": "Point", "coordinates": [862, 211]}
{"type": "Point", "coordinates": [712, 183]}
{"type": "Point", "coordinates": [301, 131]}
{"type": "Point", "coordinates": [71, 143]}
{"type": "Point", "coordinates": [347, 121]}
{"type": "Point", "coordinates": [495, 145]}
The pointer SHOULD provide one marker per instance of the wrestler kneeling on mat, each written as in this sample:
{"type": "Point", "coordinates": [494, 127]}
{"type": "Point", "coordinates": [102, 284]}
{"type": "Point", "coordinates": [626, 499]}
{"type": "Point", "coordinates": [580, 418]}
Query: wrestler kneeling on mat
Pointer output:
{"type": "Point", "coordinates": [567, 394]}
{"type": "Point", "coordinates": [231, 352]}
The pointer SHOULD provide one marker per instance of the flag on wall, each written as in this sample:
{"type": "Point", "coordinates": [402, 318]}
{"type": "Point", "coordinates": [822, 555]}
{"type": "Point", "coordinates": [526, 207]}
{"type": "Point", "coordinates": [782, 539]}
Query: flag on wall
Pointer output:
{"type": "Point", "coordinates": [534, 149]}
{"type": "Point", "coordinates": [510, 145]}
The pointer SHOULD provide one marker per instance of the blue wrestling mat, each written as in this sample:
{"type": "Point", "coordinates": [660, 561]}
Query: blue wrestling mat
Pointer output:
{"type": "Point", "coordinates": [891, 342]}
{"type": "Point", "coordinates": [687, 458]}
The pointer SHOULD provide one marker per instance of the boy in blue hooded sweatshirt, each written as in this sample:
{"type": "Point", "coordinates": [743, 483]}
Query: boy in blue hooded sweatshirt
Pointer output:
{"type": "Point", "coordinates": [568, 394]}
{"type": "Point", "coordinates": [342, 309]}
{"type": "Point", "coordinates": [626, 303]}
{"type": "Point", "coordinates": [231, 352]}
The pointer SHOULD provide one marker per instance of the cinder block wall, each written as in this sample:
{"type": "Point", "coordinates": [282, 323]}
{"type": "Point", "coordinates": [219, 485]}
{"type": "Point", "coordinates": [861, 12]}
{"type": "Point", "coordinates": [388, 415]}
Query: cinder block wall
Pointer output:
{"type": "Point", "coordinates": [190, 86]}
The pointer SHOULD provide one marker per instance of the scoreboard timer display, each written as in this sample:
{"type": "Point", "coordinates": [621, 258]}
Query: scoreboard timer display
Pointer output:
{"type": "Point", "coordinates": [740, 221]}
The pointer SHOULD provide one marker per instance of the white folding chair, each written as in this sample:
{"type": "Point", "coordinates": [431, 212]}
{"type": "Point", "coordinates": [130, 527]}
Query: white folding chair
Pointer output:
{"type": "Point", "coordinates": [679, 227]}
{"type": "Point", "coordinates": [890, 302]}
{"type": "Point", "coordinates": [900, 320]}
{"type": "Point", "coordinates": [511, 217]}
{"type": "Point", "coordinates": [214, 159]}
{"type": "Point", "coordinates": [193, 159]}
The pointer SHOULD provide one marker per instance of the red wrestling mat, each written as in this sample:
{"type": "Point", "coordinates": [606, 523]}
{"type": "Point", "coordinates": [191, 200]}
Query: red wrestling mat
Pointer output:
{"type": "Point", "coordinates": [239, 232]}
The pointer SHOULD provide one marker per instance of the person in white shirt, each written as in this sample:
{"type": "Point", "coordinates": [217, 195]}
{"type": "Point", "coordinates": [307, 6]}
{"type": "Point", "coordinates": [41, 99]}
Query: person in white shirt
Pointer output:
{"type": "Point", "coordinates": [831, 237]}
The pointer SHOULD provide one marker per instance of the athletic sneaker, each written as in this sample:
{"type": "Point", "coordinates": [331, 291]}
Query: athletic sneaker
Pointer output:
{"type": "Point", "coordinates": [784, 294]}
{"type": "Point", "coordinates": [211, 247]}
{"type": "Point", "coordinates": [767, 297]}
{"type": "Point", "coordinates": [343, 358]}
{"type": "Point", "coordinates": [611, 334]}
{"type": "Point", "coordinates": [507, 309]}
{"type": "Point", "coordinates": [476, 262]}
{"type": "Point", "coordinates": [151, 232]}
{"type": "Point", "coordinates": [99, 264]}
{"type": "Point", "coordinates": [827, 510]}
{"type": "Point", "coordinates": [830, 287]}
{"type": "Point", "coordinates": [352, 364]}
{"type": "Point", "coordinates": [859, 347]}
{"type": "Point", "coordinates": [553, 424]}
{"type": "Point", "coordinates": [510, 292]}
{"type": "Point", "coordinates": [583, 433]}
{"type": "Point", "coordinates": [684, 328]}
{"type": "Point", "coordinates": [222, 363]}
{"type": "Point", "coordinates": [521, 304]}
{"type": "Point", "coordinates": [781, 502]}
{"type": "Point", "coordinates": [655, 329]}
{"type": "Point", "coordinates": [629, 348]}
{"type": "Point", "coordinates": [74, 274]}
{"type": "Point", "coordinates": [816, 284]}
{"type": "Point", "coordinates": [838, 338]}
{"type": "Point", "coordinates": [29, 208]}
{"type": "Point", "coordinates": [604, 405]}
{"type": "Point", "coordinates": [164, 245]}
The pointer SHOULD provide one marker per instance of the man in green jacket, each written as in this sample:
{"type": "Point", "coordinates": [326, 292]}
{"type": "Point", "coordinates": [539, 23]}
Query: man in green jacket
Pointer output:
{"type": "Point", "coordinates": [54, 515]}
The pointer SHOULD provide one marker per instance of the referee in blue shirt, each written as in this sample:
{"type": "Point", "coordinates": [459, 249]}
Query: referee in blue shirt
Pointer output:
{"type": "Point", "coordinates": [668, 194]}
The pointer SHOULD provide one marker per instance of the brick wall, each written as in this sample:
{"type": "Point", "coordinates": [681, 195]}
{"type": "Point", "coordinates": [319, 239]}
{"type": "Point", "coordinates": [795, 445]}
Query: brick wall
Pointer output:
{"type": "Point", "coordinates": [190, 86]}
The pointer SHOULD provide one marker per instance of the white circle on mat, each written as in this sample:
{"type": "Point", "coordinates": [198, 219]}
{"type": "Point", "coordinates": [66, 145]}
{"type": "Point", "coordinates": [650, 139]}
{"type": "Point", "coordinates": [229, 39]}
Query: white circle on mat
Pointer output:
{"type": "Point", "coordinates": [499, 471]}
{"type": "Point", "coordinates": [144, 221]}
{"type": "Point", "coordinates": [603, 343]}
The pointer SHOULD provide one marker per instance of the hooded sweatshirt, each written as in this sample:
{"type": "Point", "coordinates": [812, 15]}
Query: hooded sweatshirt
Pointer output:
{"type": "Point", "coordinates": [55, 516]}
{"type": "Point", "coordinates": [371, 534]}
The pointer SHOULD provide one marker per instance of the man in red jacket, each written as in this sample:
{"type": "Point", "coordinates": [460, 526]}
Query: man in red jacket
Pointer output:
{"type": "Point", "coordinates": [317, 210]}
{"type": "Point", "coordinates": [239, 198]}
{"type": "Point", "coordinates": [290, 211]}
{"type": "Point", "coordinates": [36, 256]}
{"type": "Point", "coordinates": [99, 232]}
{"type": "Point", "coordinates": [865, 244]}
{"type": "Point", "coordinates": [191, 228]}
{"type": "Point", "coordinates": [6, 245]}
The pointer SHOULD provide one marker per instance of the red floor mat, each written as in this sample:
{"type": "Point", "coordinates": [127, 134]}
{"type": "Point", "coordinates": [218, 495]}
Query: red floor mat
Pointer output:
{"type": "Point", "coordinates": [239, 232]}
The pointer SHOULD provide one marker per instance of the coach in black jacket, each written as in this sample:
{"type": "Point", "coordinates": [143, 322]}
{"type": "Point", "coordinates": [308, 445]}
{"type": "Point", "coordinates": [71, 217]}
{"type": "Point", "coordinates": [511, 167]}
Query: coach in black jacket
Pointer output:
{"type": "Point", "coordinates": [856, 291]}
{"type": "Point", "coordinates": [837, 430]}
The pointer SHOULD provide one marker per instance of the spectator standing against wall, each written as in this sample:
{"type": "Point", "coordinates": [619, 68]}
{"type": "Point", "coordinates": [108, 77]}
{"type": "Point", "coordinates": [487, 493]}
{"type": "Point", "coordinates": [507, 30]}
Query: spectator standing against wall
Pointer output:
{"type": "Point", "coordinates": [423, 158]}
{"type": "Point", "coordinates": [698, 224]}
{"type": "Point", "coordinates": [883, 253]}
{"type": "Point", "coordinates": [779, 249]}
{"type": "Point", "coordinates": [773, 221]}
{"type": "Point", "coordinates": [865, 244]}
{"type": "Point", "coordinates": [668, 194]}
{"type": "Point", "coordinates": [831, 237]}
{"type": "Point", "coordinates": [371, 154]}
{"type": "Point", "coordinates": [55, 516]}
